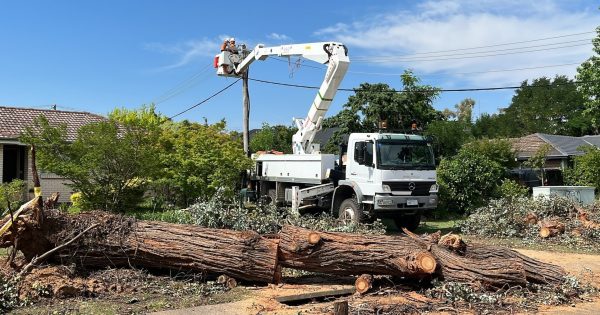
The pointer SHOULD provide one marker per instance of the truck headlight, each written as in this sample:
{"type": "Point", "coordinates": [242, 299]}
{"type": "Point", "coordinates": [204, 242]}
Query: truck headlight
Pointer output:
{"type": "Point", "coordinates": [386, 188]}
{"type": "Point", "coordinates": [434, 188]}
{"type": "Point", "coordinates": [385, 202]}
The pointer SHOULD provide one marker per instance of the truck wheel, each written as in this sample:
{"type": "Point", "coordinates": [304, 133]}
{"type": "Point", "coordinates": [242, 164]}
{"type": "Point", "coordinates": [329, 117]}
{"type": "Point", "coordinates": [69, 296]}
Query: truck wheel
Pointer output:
{"type": "Point", "coordinates": [350, 211]}
{"type": "Point", "coordinates": [410, 222]}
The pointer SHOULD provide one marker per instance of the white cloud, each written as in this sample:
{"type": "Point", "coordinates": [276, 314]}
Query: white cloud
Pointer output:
{"type": "Point", "coordinates": [186, 52]}
{"type": "Point", "coordinates": [277, 36]}
{"type": "Point", "coordinates": [436, 26]}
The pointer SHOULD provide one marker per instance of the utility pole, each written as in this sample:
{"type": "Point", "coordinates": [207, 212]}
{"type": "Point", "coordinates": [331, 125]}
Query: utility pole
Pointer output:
{"type": "Point", "coordinates": [246, 112]}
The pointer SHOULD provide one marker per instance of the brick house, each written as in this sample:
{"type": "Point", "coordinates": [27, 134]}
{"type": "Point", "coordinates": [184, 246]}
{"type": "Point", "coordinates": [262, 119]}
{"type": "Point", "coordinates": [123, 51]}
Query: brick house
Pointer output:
{"type": "Point", "coordinates": [560, 156]}
{"type": "Point", "coordinates": [562, 148]}
{"type": "Point", "coordinates": [15, 162]}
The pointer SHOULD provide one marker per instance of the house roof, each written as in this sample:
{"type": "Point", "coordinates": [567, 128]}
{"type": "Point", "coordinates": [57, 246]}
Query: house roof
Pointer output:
{"type": "Point", "coordinates": [527, 146]}
{"type": "Point", "coordinates": [14, 120]}
{"type": "Point", "coordinates": [561, 146]}
{"type": "Point", "coordinates": [593, 140]}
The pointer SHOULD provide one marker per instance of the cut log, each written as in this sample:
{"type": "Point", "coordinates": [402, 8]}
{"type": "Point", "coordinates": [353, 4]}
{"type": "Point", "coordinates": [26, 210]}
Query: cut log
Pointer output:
{"type": "Point", "coordinates": [583, 217]}
{"type": "Point", "coordinates": [363, 283]}
{"type": "Point", "coordinates": [531, 219]}
{"type": "Point", "coordinates": [535, 270]}
{"type": "Point", "coordinates": [453, 242]}
{"type": "Point", "coordinates": [549, 228]}
{"type": "Point", "coordinates": [120, 241]}
{"type": "Point", "coordinates": [351, 254]}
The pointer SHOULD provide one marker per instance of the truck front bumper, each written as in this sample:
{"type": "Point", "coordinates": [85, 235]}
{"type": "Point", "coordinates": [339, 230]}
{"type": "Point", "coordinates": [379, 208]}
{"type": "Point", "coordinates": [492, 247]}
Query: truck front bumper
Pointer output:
{"type": "Point", "coordinates": [392, 203]}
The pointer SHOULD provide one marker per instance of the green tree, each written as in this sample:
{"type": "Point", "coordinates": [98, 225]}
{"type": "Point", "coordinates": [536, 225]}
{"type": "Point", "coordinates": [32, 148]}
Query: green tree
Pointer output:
{"type": "Point", "coordinates": [197, 160]}
{"type": "Point", "coordinates": [547, 106]}
{"type": "Point", "coordinates": [538, 160]}
{"type": "Point", "coordinates": [372, 103]}
{"type": "Point", "coordinates": [278, 138]}
{"type": "Point", "coordinates": [448, 137]}
{"type": "Point", "coordinates": [109, 162]}
{"type": "Point", "coordinates": [464, 110]}
{"type": "Point", "coordinates": [586, 169]}
{"type": "Point", "coordinates": [497, 150]}
{"type": "Point", "coordinates": [589, 75]}
{"type": "Point", "coordinates": [492, 126]}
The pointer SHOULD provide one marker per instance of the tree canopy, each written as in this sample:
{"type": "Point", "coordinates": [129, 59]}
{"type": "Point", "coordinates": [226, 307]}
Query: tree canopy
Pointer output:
{"type": "Point", "coordinates": [374, 102]}
{"type": "Point", "coordinates": [589, 75]}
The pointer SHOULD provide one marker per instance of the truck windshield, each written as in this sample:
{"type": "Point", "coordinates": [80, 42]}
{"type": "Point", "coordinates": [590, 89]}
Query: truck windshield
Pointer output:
{"type": "Point", "coordinates": [401, 155]}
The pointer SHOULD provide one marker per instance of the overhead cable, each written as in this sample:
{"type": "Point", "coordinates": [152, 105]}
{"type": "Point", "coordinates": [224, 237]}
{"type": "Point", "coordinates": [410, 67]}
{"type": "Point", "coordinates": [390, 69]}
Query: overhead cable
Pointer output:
{"type": "Point", "coordinates": [205, 100]}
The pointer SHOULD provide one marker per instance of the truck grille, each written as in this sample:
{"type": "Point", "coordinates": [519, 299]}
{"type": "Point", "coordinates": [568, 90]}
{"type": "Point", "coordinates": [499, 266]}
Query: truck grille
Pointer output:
{"type": "Point", "coordinates": [421, 188]}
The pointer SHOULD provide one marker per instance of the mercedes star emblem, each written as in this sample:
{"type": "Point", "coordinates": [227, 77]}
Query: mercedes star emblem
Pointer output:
{"type": "Point", "coordinates": [412, 186]}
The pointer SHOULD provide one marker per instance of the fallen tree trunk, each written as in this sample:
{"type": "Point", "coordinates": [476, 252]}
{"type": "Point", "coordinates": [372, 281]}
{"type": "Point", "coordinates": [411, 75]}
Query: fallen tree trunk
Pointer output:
{"type": "Point", "coordinates": [121, 241]}
{"type": "Point", "coordinates": [352, 254]}
{"type": "Point", "coordinates": [535, 270]}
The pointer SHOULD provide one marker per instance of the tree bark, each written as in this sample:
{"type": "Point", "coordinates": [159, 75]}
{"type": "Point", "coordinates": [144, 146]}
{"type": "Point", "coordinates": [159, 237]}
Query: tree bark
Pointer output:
{"type": "Point", "coordinates": [351, 254]}
{"type": "Point", "coordinates": [121, 241]}
{"type": "Point", "coordinates": [535, 270]}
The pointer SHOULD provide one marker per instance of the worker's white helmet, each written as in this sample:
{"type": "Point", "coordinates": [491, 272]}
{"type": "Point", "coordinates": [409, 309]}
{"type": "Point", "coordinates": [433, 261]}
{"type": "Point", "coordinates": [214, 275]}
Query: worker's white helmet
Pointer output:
{"type": "Point", "coordinates": [231, 39]}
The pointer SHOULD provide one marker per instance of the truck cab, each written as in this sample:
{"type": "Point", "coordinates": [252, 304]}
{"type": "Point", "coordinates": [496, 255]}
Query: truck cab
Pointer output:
{"type": "Point", "coordinates": [387, 175]}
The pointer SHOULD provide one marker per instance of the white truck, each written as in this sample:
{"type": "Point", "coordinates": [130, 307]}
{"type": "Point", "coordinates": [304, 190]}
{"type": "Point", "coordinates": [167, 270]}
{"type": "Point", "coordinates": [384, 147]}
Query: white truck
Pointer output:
{"type": "Point", "coordinates": [381, 175]}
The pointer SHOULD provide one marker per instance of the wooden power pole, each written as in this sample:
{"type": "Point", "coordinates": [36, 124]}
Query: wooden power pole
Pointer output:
{"type": "Point", "coordinates": [246, 112]}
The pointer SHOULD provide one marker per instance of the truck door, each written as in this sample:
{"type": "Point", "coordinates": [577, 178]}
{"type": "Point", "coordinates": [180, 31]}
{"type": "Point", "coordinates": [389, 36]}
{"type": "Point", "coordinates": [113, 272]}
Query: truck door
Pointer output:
{"type": "Point", "coordinates": [360, 168]}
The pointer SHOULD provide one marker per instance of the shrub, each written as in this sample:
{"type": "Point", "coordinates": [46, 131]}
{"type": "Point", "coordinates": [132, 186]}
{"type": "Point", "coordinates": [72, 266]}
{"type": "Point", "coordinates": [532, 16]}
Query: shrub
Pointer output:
{"type": "Point", "coordinates": [510, 189]}
{"type": "Point", "coordinates": [468, 180]}
{"type": "Point", "coordinates": [472, 177]}
{"type": "Point", "coordinates": [10, 195]}
{"type": "Point", "coordinates": [586, 170]}
{"type": "Point", "coordinates": [9, 294]}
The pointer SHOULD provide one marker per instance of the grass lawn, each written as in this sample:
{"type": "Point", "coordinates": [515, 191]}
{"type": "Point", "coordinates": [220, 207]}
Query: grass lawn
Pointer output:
{"type": "Point", "coordinates": [3, 252]}
{"type": "Point", "coordinates": [446, 226]}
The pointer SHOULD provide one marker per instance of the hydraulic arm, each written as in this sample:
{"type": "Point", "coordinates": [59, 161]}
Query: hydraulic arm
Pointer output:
{"type": "Point", "coordinates": [335, 55]}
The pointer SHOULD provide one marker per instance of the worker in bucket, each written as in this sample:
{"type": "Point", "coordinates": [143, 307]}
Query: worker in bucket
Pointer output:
{"type": "Point", "coordinates": [225, 45]}
{"type": "Point", "coordinates": [232, 48]}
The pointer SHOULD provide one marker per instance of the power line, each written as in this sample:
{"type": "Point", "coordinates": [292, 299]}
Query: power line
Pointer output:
{"type": "Point", "coordinates": [182, 86]}
{"type": "Point", "coordinates": [423, 59]}
{"type": "Point", "coordinates": [426, 90]}
{"type": "Point", "coordinates": [205, 100]}
{"type": "Point", "coordinates": [438, 74]}
{"type": "Point", "coordinates": [497, 45]}
{"type": "Point", "coordinates": [587, 41]}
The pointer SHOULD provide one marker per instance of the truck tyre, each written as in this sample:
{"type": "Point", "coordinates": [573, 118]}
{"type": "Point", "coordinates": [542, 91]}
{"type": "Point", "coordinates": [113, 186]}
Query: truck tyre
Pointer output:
{"type": "Point", "coordinates": [410, 222]}
{"type": "Point", "coordinates": [350, 211]}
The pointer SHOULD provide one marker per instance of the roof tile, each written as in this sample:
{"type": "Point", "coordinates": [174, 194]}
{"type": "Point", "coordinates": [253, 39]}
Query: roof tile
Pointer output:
{"type": "Point", "coordinates": [14, 120]}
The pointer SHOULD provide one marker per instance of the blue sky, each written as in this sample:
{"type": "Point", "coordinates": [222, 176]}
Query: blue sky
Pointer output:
{"type": "Point", "coordinates": [97, 55]}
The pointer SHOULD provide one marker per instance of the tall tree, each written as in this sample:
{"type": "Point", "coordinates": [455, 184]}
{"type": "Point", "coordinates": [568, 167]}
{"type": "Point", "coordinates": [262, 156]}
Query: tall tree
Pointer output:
{"type": "Point", "coordinates": [589, 75]}
{"type": "Point", "coordinates": [372, 103]}
{"type": "Point", "coordinates": [464, 110]}
{"type": "Point", "coordinates": [545, 105]}
{"type": "Point", "coordinates": [278, 138]}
